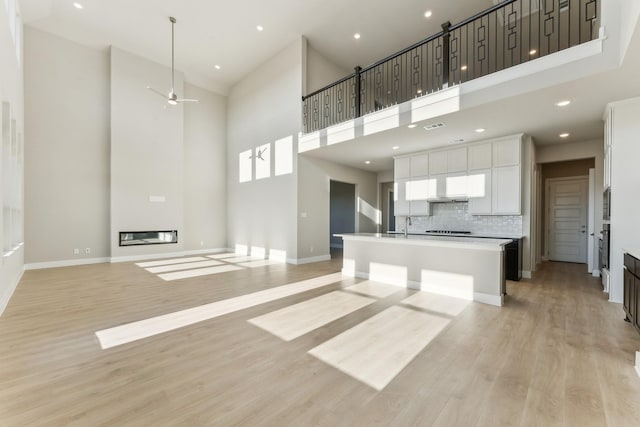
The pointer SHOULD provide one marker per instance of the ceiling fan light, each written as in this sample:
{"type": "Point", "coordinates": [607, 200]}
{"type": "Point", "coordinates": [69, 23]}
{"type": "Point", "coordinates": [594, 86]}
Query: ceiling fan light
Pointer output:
{"type": "Point", "coordinates": [172, 102]}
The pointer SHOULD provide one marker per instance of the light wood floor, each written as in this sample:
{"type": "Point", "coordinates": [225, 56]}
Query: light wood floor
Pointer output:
{"type": "Point", "coordinates": [557, 354]}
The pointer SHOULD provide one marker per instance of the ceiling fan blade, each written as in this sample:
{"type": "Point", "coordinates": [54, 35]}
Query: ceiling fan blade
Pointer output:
{"type": "Point", "coordinates": [187, 100]}
{"type": "Point", "coordinates": [157, 92]}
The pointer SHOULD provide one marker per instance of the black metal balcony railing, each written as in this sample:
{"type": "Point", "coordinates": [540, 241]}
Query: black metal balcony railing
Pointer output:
{"type": "Point", "coordinates": [508, 34]}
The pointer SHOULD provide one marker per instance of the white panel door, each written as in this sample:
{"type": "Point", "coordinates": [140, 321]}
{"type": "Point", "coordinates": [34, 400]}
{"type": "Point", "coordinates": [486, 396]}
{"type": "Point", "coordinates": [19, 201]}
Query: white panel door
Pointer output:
{"type": "Point", "coordinates": [420, 165]}
{"type": "Point", "coordinates": [568, 202]}
{"type": "Point", "coordinates": [479, 184]}
{"type": "Point", "coordinates": [505, 194]}
{"type": "Point", "coordinates": [402, 168]}
{"type": "Point", "coordinates": [480, 157]}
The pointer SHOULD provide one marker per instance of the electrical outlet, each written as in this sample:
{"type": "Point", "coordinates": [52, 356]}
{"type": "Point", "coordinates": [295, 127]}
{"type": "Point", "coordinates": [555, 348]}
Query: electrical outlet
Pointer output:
{"type": "Point", "coordinates": [76, 251]}
{"type": "Point", "coordinates": [87, 250]}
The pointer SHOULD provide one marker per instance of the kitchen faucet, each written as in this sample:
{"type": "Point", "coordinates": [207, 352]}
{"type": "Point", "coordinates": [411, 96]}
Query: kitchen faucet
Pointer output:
{"type": "Point", "coordinates": [407, 223]}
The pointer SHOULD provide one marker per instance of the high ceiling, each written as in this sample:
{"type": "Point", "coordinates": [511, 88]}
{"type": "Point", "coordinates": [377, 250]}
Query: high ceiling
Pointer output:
{"type": "Point", "coordinates": [214, 32]}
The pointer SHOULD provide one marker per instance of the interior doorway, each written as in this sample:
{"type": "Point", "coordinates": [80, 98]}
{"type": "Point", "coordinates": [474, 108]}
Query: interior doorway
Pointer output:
{"type": "Point", "coordinates": [342, 211]}
{"type": "Point", "coordinates": [567, 224]}
{"type": "Point", "coordinates": [388, 221]}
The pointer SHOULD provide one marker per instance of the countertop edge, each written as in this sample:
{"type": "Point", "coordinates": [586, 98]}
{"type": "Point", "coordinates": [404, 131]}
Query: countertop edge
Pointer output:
{"type": "Point", "coordinates": [480, 243]}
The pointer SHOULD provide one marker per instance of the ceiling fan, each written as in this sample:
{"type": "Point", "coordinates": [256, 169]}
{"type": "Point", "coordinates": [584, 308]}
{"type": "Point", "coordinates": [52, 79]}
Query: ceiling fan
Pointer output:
{"type": "Point", "coordinates": [172, 97]}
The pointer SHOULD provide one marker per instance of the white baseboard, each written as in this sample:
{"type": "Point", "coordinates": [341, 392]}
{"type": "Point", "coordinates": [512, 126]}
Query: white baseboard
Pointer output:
{"type": "Point", "coordinates": [167, 255]}
{"type": "Point", "coordinates": [497, 300]}
{"type": "Point", "coordinates": [8, 293]}
{"type": "Point", "coordinates": [544, 258]}
{"type": "Point", "coordinates": [300, 261]}
{"type": "Point", "coordinates": [526, 274]}
{"type": "Point", "coordinates": [638, 363]}
{"type": "Point", "coordinates": [64, 263]}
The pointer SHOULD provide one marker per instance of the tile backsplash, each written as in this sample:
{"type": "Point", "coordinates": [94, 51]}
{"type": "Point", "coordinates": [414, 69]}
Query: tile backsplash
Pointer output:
{"type": "Point", "coordinates": [455, 216]}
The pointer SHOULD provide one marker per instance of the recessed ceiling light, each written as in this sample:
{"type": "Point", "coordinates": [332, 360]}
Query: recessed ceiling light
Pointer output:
{"type": "Point", "coordinates": [368, 162]}
{"type": "Point", "coordinates": [259, 27]}
{"type": "Point", "coordinates": [356, 36]}
{"type": "Point", "coordinates": [533, 52]}
{"type": "Point", "coordinates": [480, 130]}
{"type": "Point", "coordinates": [563, 103]}
{"type": "Point", "coordinates": [428, 14]}
{"type": "Point", "coordinates": [395, 147]}
{"type": "Point", "coordinates": [564, 135]}
{"type": "Point", "coordinates": [412, 125]}
{"type": "Point", "coordinates": [419, 91]}
{"type": "Point", "coordinates": [463, 68]}
{"type": "Point", "coordinates": [78, 5]}
{"type": "Point", "coordinates": [217, 67]}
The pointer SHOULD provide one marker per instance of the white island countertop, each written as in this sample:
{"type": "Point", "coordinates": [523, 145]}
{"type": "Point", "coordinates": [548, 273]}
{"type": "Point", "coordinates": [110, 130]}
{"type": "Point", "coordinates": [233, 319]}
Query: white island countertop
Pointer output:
{"type": "Point", "coordinates": [479, 243]}
{"type": "Point", "coordinates": [634, 252]}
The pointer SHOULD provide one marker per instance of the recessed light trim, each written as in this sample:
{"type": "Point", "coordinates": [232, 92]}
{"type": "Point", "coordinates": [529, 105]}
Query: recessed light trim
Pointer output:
{"type": "Point", "coordinates": [480, 130]}
{"type": "Point", "coordinates": [217, 67]}
{"type": "Point", "coordinates": [463, 68]}
{"type": "Point", "coordinates": [533, 52]}
{"type": "Point", "coordinates": [78, 5]}
{"type": "Point", "coordinates": [564, 135]}
{"type": "Point", "coordinates": [368, 162]}
{"type": "Point", "coordinates": [356, 36]}
{"type": "Point", "coordinates": [259, 28]}
{"type": "Point", "coordinates": [412, 125]}
{"type": "Point", "coordinates": [563, 103]}
{"type": "Point", "coordinates": [428, 14]}
{"type": "Point", "coordinates": [395, 147]}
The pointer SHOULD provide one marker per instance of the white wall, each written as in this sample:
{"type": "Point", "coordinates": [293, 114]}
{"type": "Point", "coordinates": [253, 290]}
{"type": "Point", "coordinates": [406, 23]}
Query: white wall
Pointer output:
{"type": "Point", "coordinates": [314, 176]}
{"type": "Point", "coordinates": [66, 149]}
{"type": "Point", "coordinates": [205, 172]}
{"type": "Point", "coordinates": [625, 182]}
{"type": "Point", "coordinates": [264, 109]}
{"type": "Point", "coordinates": [11, 91]}
{"type": "Point", "coordinates": [321, 71]}
{"type": "Point", "coordinates": [574, 151]}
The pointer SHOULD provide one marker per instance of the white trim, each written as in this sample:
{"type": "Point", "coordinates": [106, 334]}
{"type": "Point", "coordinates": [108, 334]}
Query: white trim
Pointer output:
{"type": "Point", "coordinates": [299, 261]}
{"type": "Point", "coordinates": [65, 263]}
{"type": "Point", "coordinates": [596, 273]}
{"type": "Point", "coordinates": [638, 363]}
{"type": "Point", "coordinates": [167, 255]}
{"type": "Point", "coordinates": [496, 300]}
{"type": "Point", "coordinates": [6, 297]}
{"type": "Point", "coordinates": [526, 274]}
{"type": "Point", "coordinates": [483, 244]}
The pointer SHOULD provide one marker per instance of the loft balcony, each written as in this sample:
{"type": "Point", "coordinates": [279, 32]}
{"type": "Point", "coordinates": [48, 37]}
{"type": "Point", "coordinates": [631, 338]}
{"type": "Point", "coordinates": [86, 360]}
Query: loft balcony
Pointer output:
{"type": "Point", "coordinates": [511, 33]}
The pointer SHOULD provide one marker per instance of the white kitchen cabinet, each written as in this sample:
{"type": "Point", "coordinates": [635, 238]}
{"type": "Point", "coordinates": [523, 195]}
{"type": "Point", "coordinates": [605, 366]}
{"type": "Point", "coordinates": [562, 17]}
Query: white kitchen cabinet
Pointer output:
{"type": "Point", "coordinates": [420, 165]}
{"type": "Point", "coordinates": [506, 153]}
{"type": "Point", "coordinates": [438, 162]}
{"type": "Point", "coordinates": [506, 189]}
{"type": "Point", "coordinates": [479, 187]}
{"type": "Point", "coordinates": [402, 168]}
{"type": "Point", "coordinates": [401, 205]}
{"type": "Point", "coordinates": [457, 160]}
{"type": "Point", "coordinates": [480, 157]}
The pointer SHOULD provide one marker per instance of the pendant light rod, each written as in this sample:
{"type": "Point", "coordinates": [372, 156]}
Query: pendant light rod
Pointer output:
{"type": "Point", "coordinates": [173, 21]}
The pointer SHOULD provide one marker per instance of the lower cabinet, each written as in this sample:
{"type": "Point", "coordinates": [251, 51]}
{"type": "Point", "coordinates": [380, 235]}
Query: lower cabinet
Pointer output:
{"type": "Point", "coordinates": [631, 299]}
{"type": "Point", "coordinates": [513, 260]}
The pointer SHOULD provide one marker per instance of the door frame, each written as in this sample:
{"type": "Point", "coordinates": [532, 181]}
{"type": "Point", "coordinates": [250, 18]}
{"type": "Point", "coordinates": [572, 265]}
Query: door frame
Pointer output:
{"type": "Point", "coordinates": [547, 207]}
{"type": "Point", "coordinates": [356, 208]}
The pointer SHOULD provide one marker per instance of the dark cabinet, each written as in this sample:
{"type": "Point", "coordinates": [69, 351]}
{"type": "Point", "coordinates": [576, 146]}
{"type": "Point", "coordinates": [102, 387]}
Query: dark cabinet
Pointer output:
{"type": "Point", "coordinates": [513, 260]}
{"type": "Point", "coordinates": [631, 298]}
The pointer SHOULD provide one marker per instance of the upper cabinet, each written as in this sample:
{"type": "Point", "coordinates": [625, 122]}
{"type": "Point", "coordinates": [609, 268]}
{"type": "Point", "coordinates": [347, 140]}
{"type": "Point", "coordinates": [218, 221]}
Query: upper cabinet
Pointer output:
{"type": "Point", "coordinates": [489, 174]}
{"type": "Point", "coordinates": [402, 168]}
{"type": "Point", "coordinates": [480, 157]}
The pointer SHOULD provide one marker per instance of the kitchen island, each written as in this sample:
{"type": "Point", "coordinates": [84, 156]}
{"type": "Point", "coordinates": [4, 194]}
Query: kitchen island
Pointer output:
{"type": "Point", "coordinates": [461, 267]}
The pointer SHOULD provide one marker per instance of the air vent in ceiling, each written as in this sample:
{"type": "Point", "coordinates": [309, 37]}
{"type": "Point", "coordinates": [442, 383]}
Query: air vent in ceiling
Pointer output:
{"type": "Point", "coordinates": [433, 126]}
{"type": "Point", "coordinates": [457, 141]}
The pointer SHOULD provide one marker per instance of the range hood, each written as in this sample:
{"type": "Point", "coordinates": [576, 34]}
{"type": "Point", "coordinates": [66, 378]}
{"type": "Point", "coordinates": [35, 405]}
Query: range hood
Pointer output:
{"type": "Point", "coordinates": [447, 199]}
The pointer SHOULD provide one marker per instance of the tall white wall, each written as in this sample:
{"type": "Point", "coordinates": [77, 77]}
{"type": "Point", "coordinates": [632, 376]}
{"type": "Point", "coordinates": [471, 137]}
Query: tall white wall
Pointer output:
{"type": "Point", "coordinates": [66, 149]}
{"type": "Point", "coordinates": [625, 182]}
{"type": "Point", "coordinates": [205, 189]}
{"type": "Point", "coordinates": [314, 176]}
{"type": "Point", "coordinates": [321, 71]}
{"type": "Point", "coordinates": [147, 153]}
{"type": "Point", "coordinates": [264, 109]}
{"type": "Point", "coordinates": [11, 91]}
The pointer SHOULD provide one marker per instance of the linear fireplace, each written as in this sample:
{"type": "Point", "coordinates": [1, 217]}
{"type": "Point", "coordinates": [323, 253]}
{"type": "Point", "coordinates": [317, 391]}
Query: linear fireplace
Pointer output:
{"type": "Point", "coordinates": [135, 238]}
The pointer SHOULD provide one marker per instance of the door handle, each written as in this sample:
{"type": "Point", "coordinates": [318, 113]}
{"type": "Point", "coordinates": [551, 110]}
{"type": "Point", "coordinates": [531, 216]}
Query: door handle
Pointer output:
{"type": "Point", "coordinates": [592, 234]}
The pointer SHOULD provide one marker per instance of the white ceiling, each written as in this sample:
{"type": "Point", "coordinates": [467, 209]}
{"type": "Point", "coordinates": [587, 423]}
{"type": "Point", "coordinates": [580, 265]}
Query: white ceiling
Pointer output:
{"type": "Point", "coordinates": [210, 32]}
